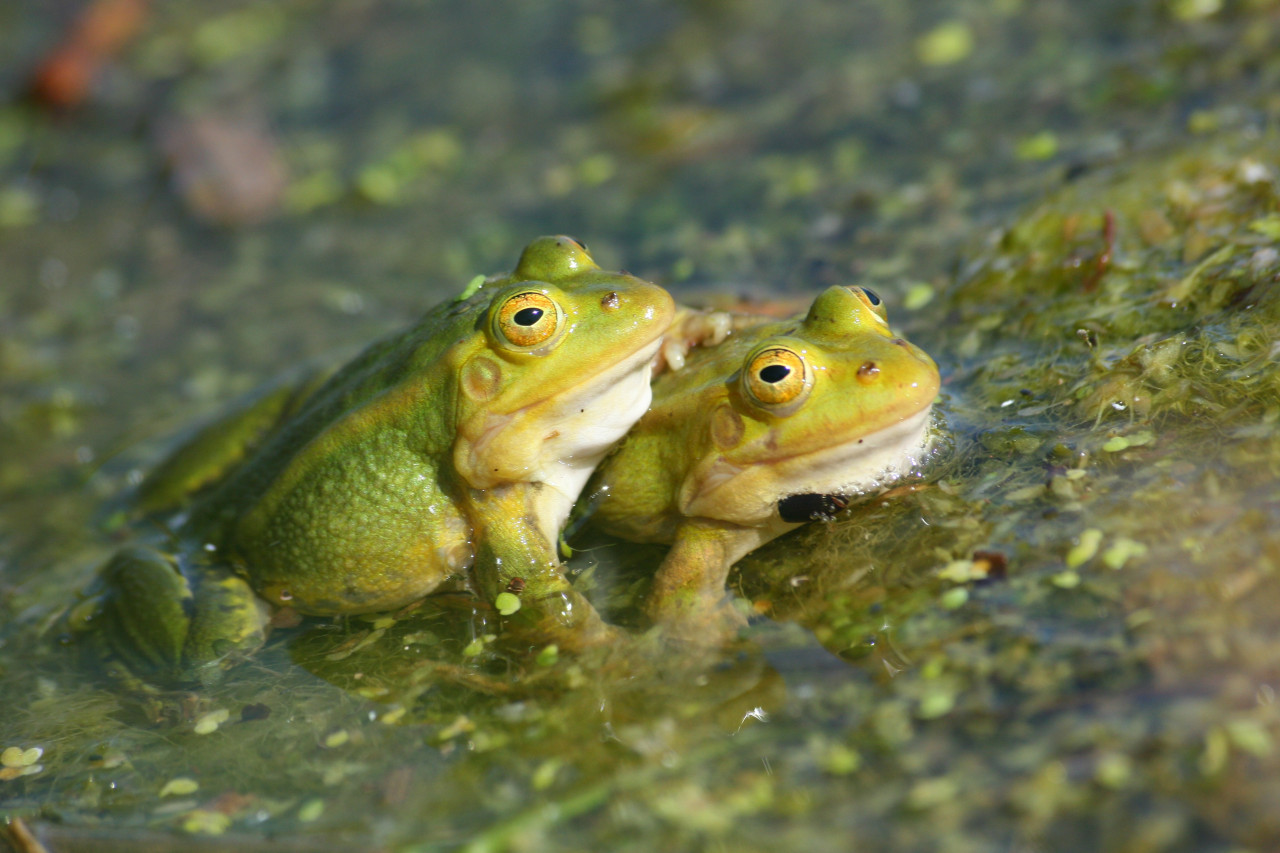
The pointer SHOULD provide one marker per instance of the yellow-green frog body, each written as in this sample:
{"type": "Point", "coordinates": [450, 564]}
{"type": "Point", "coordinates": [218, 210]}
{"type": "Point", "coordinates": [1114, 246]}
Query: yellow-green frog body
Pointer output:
{"type": "Point", "coordinates": [832, 403]}
{"type": "Point", "coordinates": [452, 450]}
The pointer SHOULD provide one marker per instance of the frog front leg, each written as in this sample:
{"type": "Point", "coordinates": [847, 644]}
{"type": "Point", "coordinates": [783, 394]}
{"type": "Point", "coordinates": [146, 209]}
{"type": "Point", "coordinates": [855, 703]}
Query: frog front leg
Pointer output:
{"type": "Point", "coordinates": [688, 596]}
{"type": "Point", "coordinates": [153, 618]}
{"type": "Point", "coordinates": [514, 555]}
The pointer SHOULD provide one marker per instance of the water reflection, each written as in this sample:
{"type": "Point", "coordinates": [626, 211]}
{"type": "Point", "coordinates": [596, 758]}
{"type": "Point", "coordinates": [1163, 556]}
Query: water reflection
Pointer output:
{"type": "Point", "coordinates": [445, 654]}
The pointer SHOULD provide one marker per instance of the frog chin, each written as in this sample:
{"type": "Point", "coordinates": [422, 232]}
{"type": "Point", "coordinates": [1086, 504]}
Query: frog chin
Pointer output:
{"type": "Point", "coordinates": [865, 465]}
{"type": "Point", "coordinates": [583, 427]}
{"type": "Point", "coordinates": [749, 495]}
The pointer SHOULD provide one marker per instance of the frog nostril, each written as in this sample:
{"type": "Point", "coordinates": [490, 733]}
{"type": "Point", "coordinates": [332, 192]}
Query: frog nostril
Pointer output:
{"type": "Point", "coordinates": [902, 342]}
{"type": "Point", "coordinates": [610, 301]}
{"type": "Point", "coordinates": [868, 372]}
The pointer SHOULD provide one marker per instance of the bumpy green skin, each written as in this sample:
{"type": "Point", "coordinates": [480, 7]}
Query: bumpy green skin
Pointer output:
{"type": "Point", "coordinates": [706, 467]}
{"type": "Point", "coordinates": [434, 454]}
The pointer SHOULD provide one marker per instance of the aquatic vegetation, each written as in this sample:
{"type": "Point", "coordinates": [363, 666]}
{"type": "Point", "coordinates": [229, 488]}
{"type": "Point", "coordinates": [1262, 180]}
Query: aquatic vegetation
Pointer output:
{"type": "Point", "coordinates": [1063, 637]}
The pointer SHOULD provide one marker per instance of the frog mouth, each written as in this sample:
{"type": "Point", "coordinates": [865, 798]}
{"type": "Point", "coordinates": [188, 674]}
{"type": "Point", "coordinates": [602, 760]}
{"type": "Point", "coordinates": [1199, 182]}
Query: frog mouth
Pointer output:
{"type": "Point", "coordinates": [580, 428]}
{"type": "Point", "coordinates": [579, 422]}
{"type": "Point", "coordinates": [863, 464]}
{"type": "Point", "coordinates": [753, 492]}
{"type": "Point", "coordinates": [590, 421]}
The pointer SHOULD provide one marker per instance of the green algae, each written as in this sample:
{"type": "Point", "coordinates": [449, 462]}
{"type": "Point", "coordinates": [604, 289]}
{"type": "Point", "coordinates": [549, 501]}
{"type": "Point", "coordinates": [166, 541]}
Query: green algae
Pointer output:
{"type": "Point", "coordinates": [917, 674]}
{"type": "Point", "coordinates": [1181, 504]}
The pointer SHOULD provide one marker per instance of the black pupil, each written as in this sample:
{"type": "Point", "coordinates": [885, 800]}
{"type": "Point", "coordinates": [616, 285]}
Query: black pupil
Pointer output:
{"type": "Point", "coordinates": [872, 295]}
{"type": "Point", "coordinates": [527, 316]}
{"type": "Point", "coordinates": [774, 373]}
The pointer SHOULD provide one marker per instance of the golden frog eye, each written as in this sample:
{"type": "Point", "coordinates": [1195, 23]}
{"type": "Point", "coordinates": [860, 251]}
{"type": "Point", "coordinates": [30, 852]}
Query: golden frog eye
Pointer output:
{"type": "Point", "coordinates": [528, 319]}
{"type": "Point", "coordinates": [872, 300]}
{"type": "Point", "coordinates": [776, 376]}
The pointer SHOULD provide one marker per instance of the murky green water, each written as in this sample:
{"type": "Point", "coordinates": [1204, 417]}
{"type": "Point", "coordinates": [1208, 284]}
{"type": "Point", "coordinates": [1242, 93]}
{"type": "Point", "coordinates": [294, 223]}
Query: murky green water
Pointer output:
{"type": "Point", "coordinates": [1066, 640]}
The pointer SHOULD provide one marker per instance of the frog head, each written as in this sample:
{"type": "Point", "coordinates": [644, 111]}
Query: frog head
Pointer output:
{"type": "Point", "coordinates": [556, 373]}
{"type": "Point", "coordinates": [833, 404]}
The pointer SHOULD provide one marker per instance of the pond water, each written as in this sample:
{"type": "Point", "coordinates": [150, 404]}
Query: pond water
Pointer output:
{"type": "Point", "coordinates": [1065, 637]}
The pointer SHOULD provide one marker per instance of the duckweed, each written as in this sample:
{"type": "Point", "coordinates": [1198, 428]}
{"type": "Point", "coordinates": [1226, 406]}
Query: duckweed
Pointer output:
{"type": "Point", "coordinates": [1069, 579]}
{"type": "Point", "coordinates": [205, 822]}
{"type": "Point", "coordinates": [16, 756]}
{"type": "Point", "coordinates": [312, 810]}
{"type": "Point", "coordinates": [1119, 552]}
{"type": "Point", "coordinates": [208, 723]}
{"type": "Point", "coordinates": [179, 786]}
{"type": "Point", "coordinates": [1085, 548]}
{"type": "Point", "coordinates": [336, 739]}
{"type": "Point", "coordinates": [507, 603]}
{"type": "Point", "coordinates": [946, 44]}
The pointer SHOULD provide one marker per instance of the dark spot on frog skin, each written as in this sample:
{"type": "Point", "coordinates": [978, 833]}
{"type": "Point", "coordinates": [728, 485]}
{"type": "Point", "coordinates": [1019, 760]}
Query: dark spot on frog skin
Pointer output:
{"type": "Point", "coordinates": [797, 509]}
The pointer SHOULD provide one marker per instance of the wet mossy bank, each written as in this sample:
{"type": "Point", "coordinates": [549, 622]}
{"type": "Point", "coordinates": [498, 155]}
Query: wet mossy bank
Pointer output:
{"type": "Point", "coordinates": [1073, 629]}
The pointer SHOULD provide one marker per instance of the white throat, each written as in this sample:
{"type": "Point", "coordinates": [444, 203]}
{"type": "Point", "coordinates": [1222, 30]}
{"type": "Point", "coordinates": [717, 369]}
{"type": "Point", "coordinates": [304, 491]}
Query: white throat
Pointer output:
{"type": "Point", "coordinates": [588, 424]}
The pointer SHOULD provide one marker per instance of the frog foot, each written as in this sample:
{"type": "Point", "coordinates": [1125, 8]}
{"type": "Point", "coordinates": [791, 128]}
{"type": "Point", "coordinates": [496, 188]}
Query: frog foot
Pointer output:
{"type": "Point", "coordinates": [711, 620]}
{"type": "Point", "coordinates": [143, 616]}
{"type": "Point", "coordinates": [564, 618]}
{"type": "Point", "coordinates": [692, 328]}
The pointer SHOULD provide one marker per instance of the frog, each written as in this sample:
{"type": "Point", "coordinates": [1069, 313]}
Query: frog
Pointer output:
{"type": "Point", "coordinates": [783, 422]}
{"type": "Point", "coordinates": [444, 457]}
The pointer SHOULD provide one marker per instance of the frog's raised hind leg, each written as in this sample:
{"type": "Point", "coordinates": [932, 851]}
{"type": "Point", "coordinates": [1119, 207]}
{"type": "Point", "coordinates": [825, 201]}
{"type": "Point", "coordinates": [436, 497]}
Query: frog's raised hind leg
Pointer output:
{"type": "Point", "coordinates": [151, 620]}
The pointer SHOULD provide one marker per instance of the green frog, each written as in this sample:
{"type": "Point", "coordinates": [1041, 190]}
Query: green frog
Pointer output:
{"type": "Point", "coordinates": [775, 426]}
{"type": "Point", "coordinates": [451, 452]}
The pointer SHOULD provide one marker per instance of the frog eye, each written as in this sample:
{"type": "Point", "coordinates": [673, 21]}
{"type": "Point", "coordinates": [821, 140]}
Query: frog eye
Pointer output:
{"type": "Point", "coordinates": [776, 376]}
{"type": "Point", "coordinates": [872, 300]}
{"type": "Point", "coordinates": [528, 319]}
